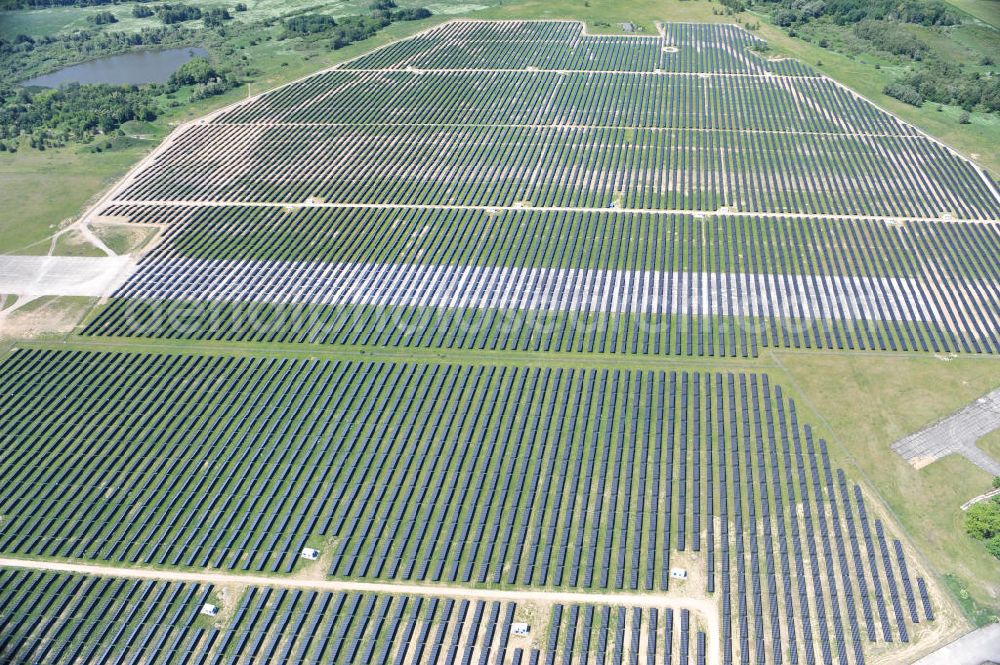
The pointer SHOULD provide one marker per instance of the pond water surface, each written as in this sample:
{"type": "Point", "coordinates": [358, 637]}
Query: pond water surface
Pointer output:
{"type": "Point", "coordinates": [135, 67]}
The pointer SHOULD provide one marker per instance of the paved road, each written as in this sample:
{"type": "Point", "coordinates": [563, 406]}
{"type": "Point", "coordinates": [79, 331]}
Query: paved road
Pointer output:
{"type": "Point", "coordinates": [957, 433]}
{"type": "Point", "coordinates": [63, 275]}
{"type": "Point", "coordinates": [979, 646]}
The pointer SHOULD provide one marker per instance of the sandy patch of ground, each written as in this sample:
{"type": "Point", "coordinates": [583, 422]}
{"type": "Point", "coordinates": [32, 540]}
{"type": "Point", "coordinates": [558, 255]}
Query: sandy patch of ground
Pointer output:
{"type": "Point", "coordinates": [42, 316]}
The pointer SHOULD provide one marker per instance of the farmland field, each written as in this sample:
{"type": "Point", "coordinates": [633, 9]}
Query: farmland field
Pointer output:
{"type": "Point", "coordinates": [556, 260]}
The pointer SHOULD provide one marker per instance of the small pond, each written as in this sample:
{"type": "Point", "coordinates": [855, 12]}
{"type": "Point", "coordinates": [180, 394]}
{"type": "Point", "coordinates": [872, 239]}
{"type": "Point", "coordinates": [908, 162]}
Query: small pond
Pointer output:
{"type": "Point", "coordinates": [135, 67]}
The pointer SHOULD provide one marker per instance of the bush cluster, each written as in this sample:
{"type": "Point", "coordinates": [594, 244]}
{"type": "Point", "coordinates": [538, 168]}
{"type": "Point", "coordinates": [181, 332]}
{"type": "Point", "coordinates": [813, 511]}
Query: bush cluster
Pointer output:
{"type": "Point", "coordinates": [73, 112]}
{"type": "Point", "coordinates": [845, 12]}
{"type": "Point", "coordinates": [982, 522]}
{"type": "Point", "coordinates": [382, 13]}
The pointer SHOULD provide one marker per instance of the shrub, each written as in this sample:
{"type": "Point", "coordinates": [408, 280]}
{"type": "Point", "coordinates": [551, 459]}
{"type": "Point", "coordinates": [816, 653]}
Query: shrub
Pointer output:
{"type": "Point", "coordinates": [982, 520]}
{"type": "Point", "coordinates": [213, 18]}
{"type": "Point", "coordinates": [170, 14]}
{"type": "Point", "coordinates": [195, 70]}
{"type": "Point", "coordinates": [102, 18]}
{"type": "Point", "coordinates": [891, 38]}
{"type": "Point", "coordinates": [785, 17]}
{"type": "Point", "coordinates": [309, 24]}
{"type": "Point", "coordinates": [411, 14]}
{"type": "Point", "coordinates": [904, 92]}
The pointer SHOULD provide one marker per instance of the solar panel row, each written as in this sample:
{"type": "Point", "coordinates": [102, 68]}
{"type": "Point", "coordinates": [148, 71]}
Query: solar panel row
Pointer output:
{"type": "Point", "coordinates": [533, 280]}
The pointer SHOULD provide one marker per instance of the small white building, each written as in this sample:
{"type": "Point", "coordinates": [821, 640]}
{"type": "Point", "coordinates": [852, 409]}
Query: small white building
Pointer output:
{"type": "Point", "coordinates": [208, 609]}
{"type": "Point", "coordinates": [519, 629]}
{"type": "Point", "coordinates": [310, 554]}
{"type": "Point", "coordinates": [679, 573]}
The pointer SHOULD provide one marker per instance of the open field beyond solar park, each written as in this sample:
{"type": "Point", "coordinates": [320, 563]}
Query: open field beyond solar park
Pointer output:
{"type": "Point", "coordinates": [511, 323]}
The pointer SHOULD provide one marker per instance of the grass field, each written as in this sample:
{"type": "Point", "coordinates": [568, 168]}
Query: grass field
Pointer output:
{"type": "Point", "coordinates": [985, 10]}
{"type": "Point", "coordinates": [991, 443]}
{"type": "Point", "coordinates": [869, 404]}
{"type": "Point", "coordinates": [32, 213]}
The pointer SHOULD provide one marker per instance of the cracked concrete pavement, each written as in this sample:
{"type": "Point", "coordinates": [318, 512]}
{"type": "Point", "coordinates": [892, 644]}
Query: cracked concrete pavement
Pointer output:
{"type": "Point", "coordinates": [956, 433]}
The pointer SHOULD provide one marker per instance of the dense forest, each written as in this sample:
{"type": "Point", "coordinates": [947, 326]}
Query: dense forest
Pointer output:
{"type": "Point", "coordinates": [51, 118]}
{"type": "Point", "coordinates": [352, 28]}
{"type": "Point", "coordinates": [893, 28]}
{"type": "Point", "coordinates": [81, 113]}
{"type": "Point", "coordinates": [71, 113]}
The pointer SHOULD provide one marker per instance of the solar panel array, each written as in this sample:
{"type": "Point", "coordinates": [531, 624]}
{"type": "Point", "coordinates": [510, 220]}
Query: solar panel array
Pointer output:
{"type": "Point", "coordinates": [389, 202]}
{"type": "Point", "coordinates": [303, 626]}
{"type": "Point", "coordinates": [63, 618]}
{"type": "Point", "coordinates": [496, 186]}
{"type": "Point", "coordinates": [562, 45]}
{"type": "Point", "coordinates": [556, 166]}
{"type": "Point", "coordinates": [645, 100]}
{"type": "Point", "coordinates": [60, 617]}
{"type": "Point", "coordinates": [558, 281]}
{"type": "Point", "coordinates": [482, 474]}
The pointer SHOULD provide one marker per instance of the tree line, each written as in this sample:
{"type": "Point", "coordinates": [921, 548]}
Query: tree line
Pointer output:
{"type": "Point", "coordinates": [52, 118]}
{"type": "Point", "coordinates": [346, 31]}
{"type": "Point", "coordinates": [882, 25]}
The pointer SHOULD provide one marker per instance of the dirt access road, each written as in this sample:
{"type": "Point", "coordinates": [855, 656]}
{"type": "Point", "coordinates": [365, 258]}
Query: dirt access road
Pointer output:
{"type": "Point", "coordinates": [707, 611]}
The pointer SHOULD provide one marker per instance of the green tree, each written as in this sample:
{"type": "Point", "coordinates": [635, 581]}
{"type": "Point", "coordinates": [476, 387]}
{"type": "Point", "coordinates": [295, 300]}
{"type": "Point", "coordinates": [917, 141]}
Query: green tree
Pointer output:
{"type": "Point", "coordinates": [195, 70]}
{"type": "Point", "coordinates": [102, 18]}
{"type": "Point", "coordinates": [982, 520]}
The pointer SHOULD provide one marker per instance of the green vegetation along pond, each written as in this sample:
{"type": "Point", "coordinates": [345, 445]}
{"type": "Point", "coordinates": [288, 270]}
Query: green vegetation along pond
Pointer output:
{"type": "Point", "coordinates": [137, 67]}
